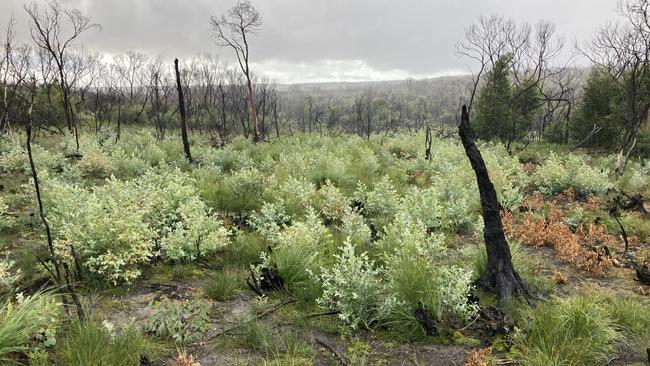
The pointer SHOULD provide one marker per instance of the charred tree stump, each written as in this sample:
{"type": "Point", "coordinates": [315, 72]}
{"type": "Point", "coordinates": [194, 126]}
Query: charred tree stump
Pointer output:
{"type": "Point", "coordinates": [500, 277]}
{"type": "Point", "coordinates": [181, 109]}
{"type": "Point", "coordinates": [426, 320]}
{"type": "Point", "coordinates": [427, 144]}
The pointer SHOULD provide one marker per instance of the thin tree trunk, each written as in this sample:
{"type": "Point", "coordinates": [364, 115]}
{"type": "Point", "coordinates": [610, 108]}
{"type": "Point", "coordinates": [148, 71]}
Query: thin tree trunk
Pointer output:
{"type": "Point", "coordinates": [60, 277]}
{"type": "Point", "coordinates": [181, 108]}
{"type": "Point", "coordinates": [251, 101]}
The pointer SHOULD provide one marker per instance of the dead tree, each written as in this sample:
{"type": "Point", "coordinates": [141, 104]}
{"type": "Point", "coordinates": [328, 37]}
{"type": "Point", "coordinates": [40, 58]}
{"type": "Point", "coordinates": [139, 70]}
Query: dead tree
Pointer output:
{"type": "Point", "coordinates": [61, 270]}
{"type": "Point", "coordinates": [500, 276]}
{"type": "Point", "coordinates": [622, 51]}
{"type": "Point", "coordinates": [181, 109]}
{"type": "Point", "coordinates": [48, 33]}
{"type": "Point", "coordinates": [233, 32]}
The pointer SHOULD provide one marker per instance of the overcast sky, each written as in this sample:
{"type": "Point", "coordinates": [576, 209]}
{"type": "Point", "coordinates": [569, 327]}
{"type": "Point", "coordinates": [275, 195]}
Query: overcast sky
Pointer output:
{"type": "Point", "coordinates": [323, 40]}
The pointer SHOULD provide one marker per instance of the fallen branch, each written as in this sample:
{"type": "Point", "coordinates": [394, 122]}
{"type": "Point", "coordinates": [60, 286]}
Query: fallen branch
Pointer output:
{"type": "Point", "coordinates": [334, 312]}
{"type": "Point", "coordinates": [260, 316]}
{"type": "Point", "coordinates": [331, 349]}
{"type": "Point", "coordinates": [591, 133]}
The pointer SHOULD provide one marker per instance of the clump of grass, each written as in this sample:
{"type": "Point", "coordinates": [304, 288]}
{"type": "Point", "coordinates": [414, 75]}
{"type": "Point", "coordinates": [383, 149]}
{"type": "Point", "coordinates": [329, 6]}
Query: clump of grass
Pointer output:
{"type": "Point", "coordinates": [632, 318]}
{"type": "Point", "coordinates": [245, 250]}
{"type": "Point", "coordinates": [18, 323]}
{"type": "Point", "coordinates": [259, 336]}
{"type": "Point", "coordinates": [573, 331]}
{"type": "Point", "coordinates": [224, 285]}
{"type": "Point", "coordinates": [359, 353]}
{"type": "Point", "coordinates": [92, 344]}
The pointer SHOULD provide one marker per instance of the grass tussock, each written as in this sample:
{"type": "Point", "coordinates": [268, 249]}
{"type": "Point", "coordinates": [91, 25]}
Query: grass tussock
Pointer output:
{"type": "Point", "coordinates": [582, 330]}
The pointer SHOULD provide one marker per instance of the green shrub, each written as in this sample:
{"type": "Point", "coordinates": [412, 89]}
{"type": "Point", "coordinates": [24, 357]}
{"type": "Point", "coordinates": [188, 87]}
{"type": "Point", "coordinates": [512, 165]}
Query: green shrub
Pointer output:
{"type": "Point", "coordinates": [558, 174]}
{"type": "Point", "coordinates": [240, 192]}
{"type": "Point", "coordinates": [380, 205]}
{"type": "Point", "coordinates": [116, 228]}
{"type": "Point", "coordinates": [353, 226]}
{"type": "Point", "coordinates": [15, 159]}
{"type": "Point", "coordinates": [331, 202]}
{"type": "Point", "coordinates": [269, 220]}
{"type": "Point", "coordinates": [196, 233]}
{"type": "Point", "coordinates": [352, 287]}
{"type": "Point", "coordinates": [296, 253]}
{"type": "Point", "coordinates": [182, 321]}
{"type": "Point", "coordinates": [107, 228]}
{"type": "Point", "coordinates": [415, 279]}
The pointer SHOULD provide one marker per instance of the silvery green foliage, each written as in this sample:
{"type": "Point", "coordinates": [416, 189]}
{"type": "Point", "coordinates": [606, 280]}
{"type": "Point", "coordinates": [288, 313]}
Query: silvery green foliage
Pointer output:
{"type": "Point", "coordinates": [354, 227]}
{"type": "Point", "coordinates": [309, 232]}
{"type": "Point", "coordinates": [296, 194]}
{"type": "Point", "coordinates": [113, 228]}
{"type": "Point", "coordinates": [380, 205]}
{"type": "Point", "coordinates": [127, 164]}
{"type": "Point", "coordinates": [423, 204]}
{"type": "Point", "coordinates": [331, 202]}
{"type": "Point", "coordinates": [14, 158]}
{"type": "Point", "coordinates": [439, 207]}
{"type": "Point", "coordinates": [269, 220]}
{"type": "Point", "coordinates": [352, 287]}
{"type": "Point", "coordinates": [196, 232]}
{"type": "Point", "coordinates": [560, 173]}
{"type": "Point", "coordinates": [9, 276]}
{"type": "Point", "coordinates": [455, 290]}
{"type": "Point", "coordinates": [415, 278]}
{"type": "Point", "coordinates": [106, 226]}
{"type": "Point", "coordinates": [406, 232]}
{"type": "Point", "coordinates": [6, 221]}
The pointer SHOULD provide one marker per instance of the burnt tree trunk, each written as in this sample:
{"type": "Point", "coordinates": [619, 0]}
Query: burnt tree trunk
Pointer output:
{"type": "Point", "coordinates": [181, 109]}
{"type": "Point", "coordinates": [62, 277]}
{"type": "Point", "coordinates": [500, 277]}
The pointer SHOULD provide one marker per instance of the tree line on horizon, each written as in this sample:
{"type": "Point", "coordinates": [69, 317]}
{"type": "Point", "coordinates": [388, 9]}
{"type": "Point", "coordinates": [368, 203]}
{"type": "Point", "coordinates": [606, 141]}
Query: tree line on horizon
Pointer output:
{"type": "Point", "coordinates": [517, 94]}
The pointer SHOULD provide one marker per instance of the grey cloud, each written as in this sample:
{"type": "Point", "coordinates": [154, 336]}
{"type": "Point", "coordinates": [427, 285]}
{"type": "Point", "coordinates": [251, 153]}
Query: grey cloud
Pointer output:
{"type": "Point", "coordinates": [416, 37]}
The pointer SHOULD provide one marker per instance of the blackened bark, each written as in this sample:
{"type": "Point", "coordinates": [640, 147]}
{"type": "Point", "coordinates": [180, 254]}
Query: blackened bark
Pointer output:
{"type": "Point", "coordinates": [427, 144]}
{"type": "Point", "coordinates": [500, 277]}
{"type": "Point", "coordinates": [181, 109]}
{"type": "Point", "coordinates": [61, 277]}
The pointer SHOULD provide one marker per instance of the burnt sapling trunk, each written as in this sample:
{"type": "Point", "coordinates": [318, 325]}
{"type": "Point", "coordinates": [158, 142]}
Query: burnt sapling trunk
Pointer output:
{"type": "Point", "coordinates": [500, 277]}
{"type": "Point", "coordinates": [181, 109]}
{"type": "Point", "coordinates": [62, 277]}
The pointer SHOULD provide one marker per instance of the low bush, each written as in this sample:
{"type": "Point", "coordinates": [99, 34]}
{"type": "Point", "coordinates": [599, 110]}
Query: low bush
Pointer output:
{"type": "Point", "coordinates": [352, 287]}
{"type": "Point", "coordinates": [558, 174]}
{"type": "Point", "coordinates": [181, 321]}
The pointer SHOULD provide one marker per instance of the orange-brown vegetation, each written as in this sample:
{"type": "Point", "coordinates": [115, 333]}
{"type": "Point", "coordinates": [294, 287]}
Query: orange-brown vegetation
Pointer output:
{"type": "Point", "coordinates": [587, 248]}
{"type": "Point", "coordinates": [186, 359]}
{"type": "Point", "coordinates": [481, 357]}
{"type": "Point", "coordinates": [559, 278]}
